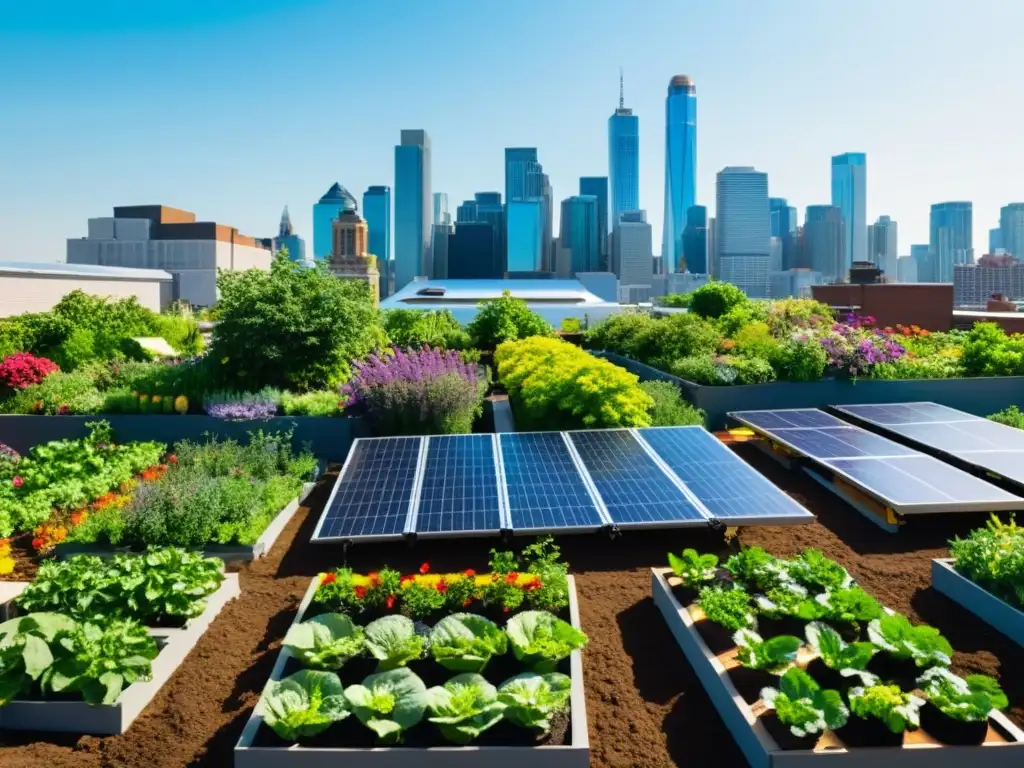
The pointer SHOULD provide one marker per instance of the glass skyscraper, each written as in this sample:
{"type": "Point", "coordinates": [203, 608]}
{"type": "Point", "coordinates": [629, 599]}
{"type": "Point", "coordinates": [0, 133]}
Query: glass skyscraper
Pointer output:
{"type": "Point", "coordinates": [581, 231]}
{"type": "Point", "coordinates": [824, 242]}
{"type": "Point", "coordinates": [623, 160]}
{"type": "Point", "coordinates": [921, 254]}
{"type": "Point", "coordinates": [526, 185]}
{"type": "Point", "coordinates": [598, 187]}
{"type": "Point", "coordinates": [413, 207]}
{"type": "Point", "coordinates": [1011, 229]}
{"type": "Point", "coordinates": [849, 194]}
{"type": "Point", "coordinates": [377, 212]}
{"type": "Point", "coordinates": [743, 230]}
{"type": "Point", "coordinates": [680, 167]}
{"type": "Point", "coordinates": [324, 214]}
{"type": "Point", "coordinates": [525, 231]}
{"type": "Point", "coordinates": [695, 240]}
{"type": "Point", "coordinates": [951, 238]}
{"type": "Point", "coordinates": [783, 217]}
{"type": "Point", "coordinates": [883, 245]}
{"type": "Point", "coordinates": [286, 238]}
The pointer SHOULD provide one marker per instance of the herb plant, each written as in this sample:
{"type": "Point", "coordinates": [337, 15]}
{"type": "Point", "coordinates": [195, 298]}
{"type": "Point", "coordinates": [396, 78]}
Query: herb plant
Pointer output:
{"type": "Point", "coordinates": [389, 703]}
{"type": "Point", "coordinates": [803, 705]}
{"type": "Point", "coordinates": [772, 655]}
{"type": "Point", "coordinates": [897, 709]}
{"type": "Point", "coordinates": [693, 568]}
{"type": "Point", "coordinates": [394, 641]}
{"type": "Point", "coordinates": [304, 704]}
{"type": "Point", "coordinates": [969, 699]}
{"type": "Point", "coordinates": [325, 642]}
{"type": "Point", "coordinates": [993, 558]}
{"type": "Point", "coordinates": [729, 608]}
{"type": "Point", "coordinates": [464, 707]}
{"type": "Point", "coordinates": [465, 642]}
{"type": "Point", "coordinates": [896, 635]}
{"type": "Point", "coordinates": [835, 653]}
{"type": "Point", "coordinates": [531, 699]}
{"type": "Point", "coordinates": [541, 640]}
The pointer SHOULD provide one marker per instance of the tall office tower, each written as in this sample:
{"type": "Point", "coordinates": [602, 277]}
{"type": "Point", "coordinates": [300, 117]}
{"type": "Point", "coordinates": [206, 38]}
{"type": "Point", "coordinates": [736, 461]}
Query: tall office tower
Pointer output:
{"type": "Point", "coordinates": [471, 254]}
{"type": "Point", "coordinates": [906, 269]}
{"type": "Point", "coordinates": [924, 263]}
{"type": "Point", "coordinates": [995, 239]}
{"type": "Point", "coordinates": [466, 213]}
{"type": "Point", "coordinates": [349, 257]}
{"type": "Point", "coordinates": [413, 207]}
{"type": "Point", "coordinates": [324, 213]}
{"type": "Point", "coordinates": [680, 168]}
{"type": "Point", "coordinates": [490, 209]}
{"type": "Point", "coordinates": [377, 210]}
{"type": "Point", "coordinates": [849, 193]}
{"type": "Point", "coordinates": [1011, 229]}
{"type": "Point", "coordinates": [623, 159]}
{"type": "Point", "coordinates": [712, 247]}
{"type": "Point", "coordinates": [580, 233]}
{"type": "Point", "coordinates": [287, 239]}
{"type": "Point", "coordinates": [528, 226]}
{"type": "Point", "coordinates": [525, 222]}
{"type": "Point", "coordinates": [598, 187]}
{"type": "Point", "coordinates": [824, 242]}
{"type": "Point", "coordinates": [793, 255]}
{"type": "Point", "coordinates": [743, 230]}
{"type": "Point", "coordinates": [547, 244]}
{"type": "Point", "coordinates": [440, 237]}
{"type": "Point", "coordinates": [441, 214]}
{"type": "Point", "coordinates": [783, 217]}
{"type": "Point", "coordinates": [632, 249]}
{"type": "Point", "coordinates": [883, 245]}
{"type": "Point", "coordinates": [695, 240]}
{"type": "Point", "coordinates": [951, 239]}
{"type": "Point", "coordinates": [522, 174]}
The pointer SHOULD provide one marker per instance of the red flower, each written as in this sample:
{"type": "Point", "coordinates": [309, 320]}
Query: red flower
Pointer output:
{"type": "Point", "coordinates": [63, 410]}
{"type": "Point", "coordinates": [390, 602]}
{"type": "Point", "coordinates": [442, 586]}
{"type": "Point", "coordinates": [407, 578]}
{"type": "Point", "coordinates": [466, 602]}
{"type": "Point", "coordinates": [76, 518]}
{"type": "Point", "coordinates": [506, 609]}
{"type": "Point", "coordinates": [38, 543]}
{"type": "Point", "coordinates": [328, 578]}
{"type": "Point", "coordinates": [360, 593]}
{"type": "Point", "coordinates": [375, 579]}
{"type": "Point", "coordinates": [469, 573]}
{"type": "Point", "coordinates": [17, 482]}
{"type": "Point", "coordinates": [172, 459]}
{"type": "Point", "coordinates": [425, 568]}
{"type": "Point", "coordinates": [511, 578]}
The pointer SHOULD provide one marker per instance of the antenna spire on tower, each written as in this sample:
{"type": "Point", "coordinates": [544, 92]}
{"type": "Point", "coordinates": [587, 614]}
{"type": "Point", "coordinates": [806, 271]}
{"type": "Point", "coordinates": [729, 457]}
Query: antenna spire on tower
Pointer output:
{"type": "Point", "coordinates": [622, 98]}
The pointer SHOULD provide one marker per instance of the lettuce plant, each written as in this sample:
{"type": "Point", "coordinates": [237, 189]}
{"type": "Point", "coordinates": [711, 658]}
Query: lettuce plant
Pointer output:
{"type": "Point", "coordinates": [394, 641]}
{"type": "Point", "coordinates": [753, 567]}
{"type": "Point", "coordinates": [782, 600]}
{"type": "Point", "coordinates": [813, 570]}
{"type": "Point", "coordinates": [803, 705]}
{"type": "Point", "coordinates": [850, 604]}
{"type": "Point", "coordinates": [465, 642]}
{"type": "Point", "coordinates": [898, 710]}
{"type": "Point", "coordinates": [464, 707]}
{"type": "Point", "coordinates": [541, 640]}
{"type": "Point", "coordinates": [531, 700]}
{"type": "Point", "coordinates": [304, 704]}
{"type": "Point", "coordinates": [25, 653]}
{"type": "Point", "coordinates": [834, 652]}
{"type": "Point", "coordinates": [389, 703]}
{"type": "Point", "coordinates": [902, 640]}
{"type": "Point", "coordinates": [693, 568]}
{"type": "Point", "coordinates": [325, 642]}
{"type": "Point", "coordinates": [773, 655]}
{"type": "Point", "coordinates": [729, 608]}
{"type": "Point", "coordinates": [968, 699]}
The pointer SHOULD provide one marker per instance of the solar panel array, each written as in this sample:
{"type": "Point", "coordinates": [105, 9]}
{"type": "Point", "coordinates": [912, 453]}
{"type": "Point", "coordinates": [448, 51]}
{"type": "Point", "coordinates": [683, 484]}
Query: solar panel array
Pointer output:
{"type": "Point", "coordinates": [906, 480]}
{"type": "Point", "coordinates": [984, 444]}
{"type": "Point", "coordinates": [588, 480]}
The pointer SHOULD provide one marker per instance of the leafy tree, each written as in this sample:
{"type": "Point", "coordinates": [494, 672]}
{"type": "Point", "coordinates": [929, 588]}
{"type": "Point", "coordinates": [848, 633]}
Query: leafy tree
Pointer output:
{"type": "Point", "coordinates": [715, 299]}
{"type": "Point", "coordinates": [505, 319]}
{"type": "Point", "coordinates": [293, 327]}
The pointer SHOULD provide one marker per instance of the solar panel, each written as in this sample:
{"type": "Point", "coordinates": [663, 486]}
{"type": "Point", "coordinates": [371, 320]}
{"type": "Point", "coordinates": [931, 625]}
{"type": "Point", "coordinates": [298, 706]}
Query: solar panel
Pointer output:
{"type": "Point", "coordinates": [545, 488]}
{"type": "Point", "coordinates": [962, 438]}
{"type": "Point", "coordinates": [841, 443]}
{"type": "Point", "coordinates": [373, 494]}
{"type": "Point", "coordinates": [459, 493]}
{"type": "Point", "coordinates": [729, 488]}
{"type": "Point", "coordinates": [635, 489]}
{"type": "Point", "coordinates": [796, 418]}
{"type": "Point", "coordinates": [906, 413]}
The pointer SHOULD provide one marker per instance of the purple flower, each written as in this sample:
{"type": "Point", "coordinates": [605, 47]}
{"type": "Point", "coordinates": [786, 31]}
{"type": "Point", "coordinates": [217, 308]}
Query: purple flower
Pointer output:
{"type": "Point", "coordinates": [244, 406]}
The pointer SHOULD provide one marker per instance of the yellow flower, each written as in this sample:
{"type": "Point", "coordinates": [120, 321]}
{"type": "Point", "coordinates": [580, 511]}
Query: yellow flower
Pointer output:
{"type": "Point", "coordinates": [6, 566]}
{"type": "Point", "coordinates": [359, 580]}
{"type": "Point", "coordinates": [484, 581]}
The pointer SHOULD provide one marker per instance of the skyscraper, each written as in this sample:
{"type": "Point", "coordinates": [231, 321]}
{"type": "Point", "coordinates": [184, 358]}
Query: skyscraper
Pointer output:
{"type": "Point", "coordinates": [471, 252]}
{"type": "Point", "coordinates": [995, 239]}
{"type": "Point", "coordinates": [951, 239]}
{"type": "Point", "coordinates": [924, 263]}
{"type": "Point", "coordinates": [680, 167]}
{"type": "Point", "coordinates": [527, 187]}
{"type": "Point", "coordinates": [522, 174]}
{"type": "Point", "coordinates": [1011, 229]}
{"type": "Point", "coordinates": [324, 213]}
{"type": "Point", "coordinates": [743, 230]}
{"type": "Point", "coordinates": [849, 194]}
{"type": "Point", "coordinates": [623, 159]}
{"type": "Point", "coordinates": [824, 242]}
{"type": "Point", "coordinates": [580, 232]}
{"type": "Point", "coordinates": [413, 207]}
{"type": "Point", "coordinates": [632, 249]}
{"type": "Point", "coordinates": [286, 238]}
{"type": "Point", "coordinates": [598, 187]}
{"type": "Point", "coordinates": [440, 231]}
{"type": "Point", "coordinates": [695, 240]}
{"type": "Point", "coordinates": [906, 269]}
{"type": "Point", "coordinates": [783, 217]}
{"type": "Point", "coordinates": [349, 257]}
{"type": "Point", "coordinates": [883, 245]}
{"type": "Point", "coordinates": [377, 210]}
{"type": "Point", "coordinates": [525, 231]}
{"type": "Point", "coordinates": [441, 214]}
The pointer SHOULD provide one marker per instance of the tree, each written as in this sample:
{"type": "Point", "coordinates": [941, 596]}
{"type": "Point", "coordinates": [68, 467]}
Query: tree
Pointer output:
{"type": "Point", "coordinates": [713, 300]}
{"type": "Point", "coordinates": [505, 319]}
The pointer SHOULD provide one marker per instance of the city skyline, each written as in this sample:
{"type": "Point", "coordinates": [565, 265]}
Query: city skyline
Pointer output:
{"type": "Point", "coordinates": [78, 156]}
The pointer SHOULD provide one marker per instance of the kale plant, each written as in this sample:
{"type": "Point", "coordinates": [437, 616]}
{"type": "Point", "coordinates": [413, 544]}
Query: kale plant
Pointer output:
{"type": "Point", "coordinates": [729, 608]}
{"type": "Point", "coordinates": [464, 642]}
{"type": "Point", "coordinates": [531, 699]}
{"type": "Point", "coordinates": [815, 571]}
{"type": "Point", "coordinates": [897, 709]}
{"type": "Point", "coordinates": [834, 652]}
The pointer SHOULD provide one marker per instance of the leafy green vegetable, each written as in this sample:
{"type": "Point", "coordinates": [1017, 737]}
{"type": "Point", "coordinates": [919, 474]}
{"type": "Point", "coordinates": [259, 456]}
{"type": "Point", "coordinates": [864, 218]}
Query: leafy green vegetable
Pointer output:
{"type": "Point", "coordinates": [729, 608]}
{"type": "Point", "coordinates": [693, 568]}
{"type": "Point", "coordinates": [773, 655]}
{"type": "Point", "coordinates": [304, 704]}
{"type": "Point", "coordinates": [25, 650]}
{"type": "Point", "coordinates": [531, 699]}
{"type": "Point", "coordinates": [813, 570]}
{"type": "Point", "coordinates": [389, 703]}
{"type": "Point", "coordinates": [465, 642]}
{"type": "Point", "coordinates": [541, 640]}
{"type": "Point", "coordinates": [969, 699]}
{"type": "Point", "coordinates": [803, 705]}
{"type": "Point", "coordinates": [325, 642]}
{"type": "Point", "coordinates": [898, 710]}
{"type": "Point", "coordinates": [852, 604]}
{"type": "Point", "coordinates": [394, 641]}
{"type": "Point", "coordinates": [993, 558]}
{"type": "Point", "coordinates": [464, 707]}
{"type": "Point", "coordinates": [755, 568]}
{"type": "Point", "coordinates": [782, 600]}
{"type": "Point", "coordinates": [896, 635]}
{"type": "Point", "coordinates": [836, 653]}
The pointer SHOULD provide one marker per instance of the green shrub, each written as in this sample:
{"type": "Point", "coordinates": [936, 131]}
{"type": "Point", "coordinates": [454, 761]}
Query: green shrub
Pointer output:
{"type": "Point", "coordinates": [933, 367]}
{"type": "Point", "coordinates": [505, 319]}
{"type": "Point", "coordinates": [416, 327]}
{"type": "Point", "coordinates": [751, 370]}
{"type": "Point", "coordinates": [58, 394]}
{"type": "Point", "coordinates": [319, 403]}
{"type": "Point", "coordinates": [680, 335]}
{"type": "Point", "coordinates": [741, 315]}
{"type": "Point", "coordinates": [988, 351]}
{"type": "Point", "coordinates": [785, 315]}
{"type": "Point", "coordinates": [676, 300]}
{"type": "Point", "coordinates": [723, 370]}
{"type": "Point", "coordinates": [715, 299]}
{"type": "Point", "coordinates": [181, 332]}
{"type": "Point", "coordinates": [627, 333]}
{"type": "Point", "coordinates": [571, 325]}
{"type": "Point", "coordinates": [799, 360]}
{"type": "Point", "coordinates": [669, 409]}
{"type": "Point", "coordinates": [1011, 417]}
{"type": "Point", "coordinates": [554, 384]}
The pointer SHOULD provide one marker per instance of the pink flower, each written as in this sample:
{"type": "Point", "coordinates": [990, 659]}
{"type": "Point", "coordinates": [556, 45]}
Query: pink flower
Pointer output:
{"type": "Point", "coordinates": [17, 482]}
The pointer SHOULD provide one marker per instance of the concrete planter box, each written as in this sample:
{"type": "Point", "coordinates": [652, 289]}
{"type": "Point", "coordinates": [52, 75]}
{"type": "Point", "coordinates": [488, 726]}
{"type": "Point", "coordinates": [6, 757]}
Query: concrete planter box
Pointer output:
{"type": "Point", "coordinates": [1004, 747]}
{"type": "Point", "coordinates": [226, 552]}
{"type": "Point", "coordinates": [979, 396]}
{"type": "Point", "coordinates": [329, 438]}
{"type": "Point", "coordinates": [105, 720]}
{"type": "Point", "coordinates": [992, 610]}
{"type": "Point", "coordinates": [576, 755]}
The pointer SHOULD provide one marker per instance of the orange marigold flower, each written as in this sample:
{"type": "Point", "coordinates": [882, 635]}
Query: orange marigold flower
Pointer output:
{"type": "Point", "coordinates": [172, 459]}
{"type": "Point", "coordinates": [328, 578]}
{"type": "Point", "coordinates": [425, 568]}
{"type": "Point", "coordinates": [511, 578]}
{"type": "Point", "coordinates": [374, 579]}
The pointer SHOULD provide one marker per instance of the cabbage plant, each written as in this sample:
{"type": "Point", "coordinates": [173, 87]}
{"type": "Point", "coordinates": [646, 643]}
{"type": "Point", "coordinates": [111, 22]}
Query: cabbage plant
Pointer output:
{"type": "Point", "coordinates": [389, 703]}
{"type": "Point", "coordinates": [541, 639]}
{"type": "Point", "coordinates": [325, 642]}
{"type": "Point", "coordinates": [394, 641]}
{"type": "Point", "coordinates": [464, 707]}
{"type": "Point", "coordinates": [773, 655]}
{"type": "Point", "coordinates": [531, 700]}
{"type": "Point", "coordinates": [968, 699]}
{"type": "Point", "coordinates": [803, 705]}
{"type": "Point", "coordinates": [895, 634]}
{"type": "Point", "coordinates": [304, 704]}
{"type": "Point", "coordinates": [834, 652]}
{"type": "Point", "coordinates": [897, 709]}
{"type": "Point", "coordinates": [465, 642]}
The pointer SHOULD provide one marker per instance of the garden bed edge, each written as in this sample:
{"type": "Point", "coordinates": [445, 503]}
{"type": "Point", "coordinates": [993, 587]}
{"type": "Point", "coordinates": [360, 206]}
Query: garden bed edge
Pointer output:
{"type": "Point", "coordinates": [994, 611]}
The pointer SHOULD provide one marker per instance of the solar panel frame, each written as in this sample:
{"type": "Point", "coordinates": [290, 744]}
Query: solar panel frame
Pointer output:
{"type": "Point", "coordinates": [343, 477]}
{"type": "Point", "coordinates": [870, 412]}
{"type": "Point", "coordinates": [793, 418]}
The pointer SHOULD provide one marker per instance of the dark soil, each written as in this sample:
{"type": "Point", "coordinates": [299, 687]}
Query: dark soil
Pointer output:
{"type": "Point", "coordinates": [645, 706]}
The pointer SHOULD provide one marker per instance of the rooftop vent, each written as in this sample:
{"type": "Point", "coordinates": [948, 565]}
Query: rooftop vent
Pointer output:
{"type": "Point", "coordinates": [434, 291]}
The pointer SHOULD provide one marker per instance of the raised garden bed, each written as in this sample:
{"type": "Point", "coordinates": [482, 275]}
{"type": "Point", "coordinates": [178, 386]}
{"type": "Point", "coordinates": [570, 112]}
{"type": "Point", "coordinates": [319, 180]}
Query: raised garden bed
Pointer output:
{"type": "Point", "coordinates": [79, 717]}
{"type": "Point", "coordinates": [992, 610]}
{"type": "Point", "coordinates": [252, 751]}
{"type": "Point", "coordinates": [1003, 746]}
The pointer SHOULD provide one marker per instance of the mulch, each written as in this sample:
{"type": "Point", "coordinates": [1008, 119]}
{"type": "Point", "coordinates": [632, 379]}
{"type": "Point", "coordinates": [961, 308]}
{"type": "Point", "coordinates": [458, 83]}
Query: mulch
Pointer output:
{"type": "Point", "coordinates": [645, 706]}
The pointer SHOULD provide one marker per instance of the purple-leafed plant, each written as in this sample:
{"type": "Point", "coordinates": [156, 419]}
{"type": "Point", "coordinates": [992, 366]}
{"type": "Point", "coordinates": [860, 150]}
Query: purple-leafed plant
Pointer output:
{"type": "Point", "coordinates": [424, 391]}
{"type": "Point", "coordinates": [242, 406]}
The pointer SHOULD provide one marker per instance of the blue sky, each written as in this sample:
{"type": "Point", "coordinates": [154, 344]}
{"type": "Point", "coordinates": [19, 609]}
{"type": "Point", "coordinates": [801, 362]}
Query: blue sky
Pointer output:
{"type": "Point", "coordinates": [233, 109]}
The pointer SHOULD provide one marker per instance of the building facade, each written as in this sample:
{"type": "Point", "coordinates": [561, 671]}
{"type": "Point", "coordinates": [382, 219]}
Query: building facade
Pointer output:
{"type": "Point", "coordinates": [525, 225]}
{"type": "Point", "coordinates": [287, 239]}
{"type": "Point", "coordinates": [849, 194]}
{"type": "Point", "coordinates": [906, 269]}
{"type": "Point", "coordinates": [471, 252]}
{"type": "Point", "coordinates": [325, 211]}
{"type": "Point", "coordinates": [825, 241]}
{"type": "Point", "coordinates": [580, 236]}
{"type": "Point", "coordinates": [995, 240]}
{"type": "Point", "coordinates": [680, 169]}
{"type": "Point", "coordinates": [975, 284]}
{"type": "Point", "coordinates": [623, 159]}
{"type": "Point", "coordinates": [377, 210]}
{"type": "Point", "coordinates": [743, 230]}
{"type": "Point", "coordinates": [350, 258]}
{"type": "Point", "coordinates": [924, 264]}
{"type": "Point", "coordinates": [695, 240]}
{"type": "Point", "coordinates": [632, 249]}
{"type": "Point", "coordinates": [39, 287]}
{"type": "Point", "coordinates": [794, 283]}
{"type": "Point", "coordinates": [413, 207]}
{"type": "Point", "coordinates": [598, 187]}
{"type": "Point", "coordinates": [883, 245]}
{"type": "Point", "coordinates": [951, 240]}
{"type": "Point", "coordinates": [441, 214]}
{"type": "Point", "coordinates": [1011, 229]}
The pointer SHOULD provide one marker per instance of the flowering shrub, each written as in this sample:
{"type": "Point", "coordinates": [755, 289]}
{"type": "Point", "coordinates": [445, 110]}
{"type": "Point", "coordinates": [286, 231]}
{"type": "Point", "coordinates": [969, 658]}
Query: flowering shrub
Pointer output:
{"type": "Point", "coordinates": [242, 406]}
{"type": "Point", "coordinates": [6, 561]}
{"type": "Point", "coordinates": [23, 370]}
{"type": "Point", "coordinates": [59, 394]}
{"type": "Point", "coordinates": [854, 351]}
{"type": "Point", "coordinates": [8, 456]}
{"type": "Point", "coordinates": [414, 392]}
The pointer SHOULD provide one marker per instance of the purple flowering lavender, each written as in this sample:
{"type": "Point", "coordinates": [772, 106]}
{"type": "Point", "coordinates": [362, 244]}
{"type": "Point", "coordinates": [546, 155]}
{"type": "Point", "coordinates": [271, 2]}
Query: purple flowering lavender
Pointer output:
{"type": "Point", "coordinates": [242, 406]}
{"type": "Point", "coordinates": [853, 351]}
